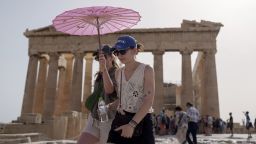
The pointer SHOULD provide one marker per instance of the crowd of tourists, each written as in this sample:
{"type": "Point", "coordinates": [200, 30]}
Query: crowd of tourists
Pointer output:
{"type": "Point", "coordinates": [168, 124]}
{"type": "Point", "coordinates": [183, 124]}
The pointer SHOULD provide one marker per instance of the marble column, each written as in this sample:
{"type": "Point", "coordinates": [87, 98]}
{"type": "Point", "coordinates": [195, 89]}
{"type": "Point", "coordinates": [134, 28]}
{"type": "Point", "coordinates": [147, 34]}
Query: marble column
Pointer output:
{"type": "Point", "coordinates": [62, 64]}
{"type": "Point", "coordinates": [40, 86]}
{"type": "Point", "coordinates": [159, 89]}
{"type": "Point", "coordinates": [87, 77]}
{"type": "Point", "coordinates": [28, 98]}
{"type": "Point", "coordinates": [211, 100]}
{"type": "Point", "coordinates": [66, 105]}
{"type": "Point", "coordinates": [76, 91]}
{"type": "Point", "coordinates": [51, 85]}
{"type": "Point", "coordinates": [187, 85]}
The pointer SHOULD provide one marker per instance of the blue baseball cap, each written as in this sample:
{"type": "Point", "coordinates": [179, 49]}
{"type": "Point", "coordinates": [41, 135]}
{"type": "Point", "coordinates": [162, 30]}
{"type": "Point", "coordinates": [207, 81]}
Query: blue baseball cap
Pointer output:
{"type": "Point", "coordinates": [125, 42]}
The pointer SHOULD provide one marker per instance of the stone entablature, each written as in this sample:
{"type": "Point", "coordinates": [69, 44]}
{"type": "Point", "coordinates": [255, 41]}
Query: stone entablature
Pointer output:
{"type": "Point", "coordinates": [194, 35]}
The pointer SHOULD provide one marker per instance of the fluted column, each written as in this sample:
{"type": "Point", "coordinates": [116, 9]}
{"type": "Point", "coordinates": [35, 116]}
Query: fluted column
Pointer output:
{"type": "Point", "coordinates": [187, 85]}
{"type": "Point", "coordinates": [211, 100]}
{"type": "Point", "coordinates": [87, 77]}
{"type": "Point", "coordinates": [66, 105]}
{"type": "Point", "coordinates": [29, 92]}
{"type": "Point", "coordinates": [60, 100]}
{"type": "Point", "coordinates": [159, 89]}
{"type": "Point", "coordinates": [40, 86]}
{"type": "Point", "coordinates": [51, 84]}
{"type": "Point", "coordinates": [76, 91]}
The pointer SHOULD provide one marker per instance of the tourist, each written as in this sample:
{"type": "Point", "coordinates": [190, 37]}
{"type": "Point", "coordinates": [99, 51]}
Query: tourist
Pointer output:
{"type": "Point", "coordinates": [204, 124]}
{"type": "Point", "coordinates": [209, 121]}
{"type": "Point", "coordinates": [182, 124]}
{"type": "Point", "coordinates": [95, 130]}
{"type": "Point", "coordinates": [162, 122]}
{"type": "Point", "coordinates": [255, 125]}
{"type": "Point", "coordinates": [172, 126]}
{"type": "Point", "coordinates": [193, 115]}
{"type": "Point", "coordinates": [248, 124]}
{"type": "Point", "coordinates": [136, 90]}
{"type": "Point", "coordinates": [230, 124]}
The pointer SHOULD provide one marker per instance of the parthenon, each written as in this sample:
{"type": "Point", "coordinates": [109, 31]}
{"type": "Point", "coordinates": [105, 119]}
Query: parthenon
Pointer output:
{"type": "Point", "coordinates": [57, 62]}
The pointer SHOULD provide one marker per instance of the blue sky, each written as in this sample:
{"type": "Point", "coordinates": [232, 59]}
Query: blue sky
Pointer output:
{"type": "Point", "coordinates": [236, 45]}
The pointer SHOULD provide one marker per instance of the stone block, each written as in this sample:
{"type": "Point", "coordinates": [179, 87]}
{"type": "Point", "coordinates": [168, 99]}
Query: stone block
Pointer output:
{"type": "Point", "coordinates": [60, 127]}
{"type": "Point", "coordinates": [76, 122]}
{"type": "Point", "coordinates": [26, 118]}
{"type": "Point", "coordinates": [2, 127]}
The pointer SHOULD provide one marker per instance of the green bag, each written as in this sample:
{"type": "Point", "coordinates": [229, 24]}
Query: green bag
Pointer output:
{"type": "Point", "coordinates": [94, 97]}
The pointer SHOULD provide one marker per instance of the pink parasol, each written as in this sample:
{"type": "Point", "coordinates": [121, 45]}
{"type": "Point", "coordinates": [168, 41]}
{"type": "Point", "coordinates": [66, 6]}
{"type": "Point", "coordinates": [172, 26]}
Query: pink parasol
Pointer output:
{"type": "Point", "coordinates": [95, 20]}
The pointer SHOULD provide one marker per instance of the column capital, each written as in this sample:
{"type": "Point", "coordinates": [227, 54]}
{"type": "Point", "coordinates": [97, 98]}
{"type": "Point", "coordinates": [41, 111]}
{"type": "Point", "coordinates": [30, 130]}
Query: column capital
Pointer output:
{"type": "Point", "coordinates": [186, 51]}
{"type": "Point", "coordinates": [158, 52]}
{"type": "Point", "coordinates": [210, 51]}
{"type": "Point", "coordinates": [88, 56]}
{"type": "Point", "coordinates": [79, 55]}
{"type": "Point", "coordinates": [69, 56]}
{"type": "Point", "coordinates": [62, 63]}
{"type": "Point", "coordinates": [33, 53]}
{"type": "Point", "coordinates": [53, 54]}
{"type": "Point", "coordinates": [44, 56]}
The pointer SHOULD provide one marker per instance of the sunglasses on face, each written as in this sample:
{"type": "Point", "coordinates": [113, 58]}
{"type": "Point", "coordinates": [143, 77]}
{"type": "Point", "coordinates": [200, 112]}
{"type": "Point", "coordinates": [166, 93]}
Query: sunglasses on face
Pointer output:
{"type": "Point", "coordinates": [122, 52]}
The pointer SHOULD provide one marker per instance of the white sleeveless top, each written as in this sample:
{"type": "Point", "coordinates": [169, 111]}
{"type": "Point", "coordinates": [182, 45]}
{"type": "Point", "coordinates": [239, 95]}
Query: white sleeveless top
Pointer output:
{"type": "Point", "coordinates": [132, 89]}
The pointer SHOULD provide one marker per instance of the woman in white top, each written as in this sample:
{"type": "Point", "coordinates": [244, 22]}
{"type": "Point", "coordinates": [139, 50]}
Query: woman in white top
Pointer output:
{"type": "Point", "coordinates": [136, 91]}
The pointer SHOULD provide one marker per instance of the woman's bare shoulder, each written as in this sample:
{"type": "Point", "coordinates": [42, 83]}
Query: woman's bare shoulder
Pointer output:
{"type": "Point", "coordinates": [148, 69]}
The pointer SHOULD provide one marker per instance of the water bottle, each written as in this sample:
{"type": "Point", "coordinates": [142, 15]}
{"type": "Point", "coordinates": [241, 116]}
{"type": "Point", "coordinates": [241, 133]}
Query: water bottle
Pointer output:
{"type": "Point", "coordinates": [102, 111]}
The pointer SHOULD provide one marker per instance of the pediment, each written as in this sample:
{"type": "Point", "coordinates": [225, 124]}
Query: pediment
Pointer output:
{"type": "Point", "coordinates": [49, 28]}
{"type": "Point", "coordinates": [202, 24]}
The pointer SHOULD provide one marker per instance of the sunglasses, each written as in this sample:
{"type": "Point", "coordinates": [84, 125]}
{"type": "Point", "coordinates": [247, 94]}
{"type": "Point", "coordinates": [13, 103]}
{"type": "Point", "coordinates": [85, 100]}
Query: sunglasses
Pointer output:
{"type": "Point", "coordinates": [122, 52]}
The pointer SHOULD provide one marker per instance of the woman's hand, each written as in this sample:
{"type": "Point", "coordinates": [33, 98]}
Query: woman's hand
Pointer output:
{"type": "Point", "coordinates": [126, 130]}
{"type": "Point", "coordinates": [102, 62]}
{"type": "Point", "coordinates": [112, 106]}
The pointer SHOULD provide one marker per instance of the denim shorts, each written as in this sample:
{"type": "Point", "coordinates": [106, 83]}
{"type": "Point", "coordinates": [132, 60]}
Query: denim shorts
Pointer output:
{"type": "Point", "coordinates": [98, 129]}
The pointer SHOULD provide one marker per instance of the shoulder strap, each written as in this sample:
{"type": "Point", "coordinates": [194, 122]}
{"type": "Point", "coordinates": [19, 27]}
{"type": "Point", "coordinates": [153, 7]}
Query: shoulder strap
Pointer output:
{"type": "Point", "coordinates": [120, 91]}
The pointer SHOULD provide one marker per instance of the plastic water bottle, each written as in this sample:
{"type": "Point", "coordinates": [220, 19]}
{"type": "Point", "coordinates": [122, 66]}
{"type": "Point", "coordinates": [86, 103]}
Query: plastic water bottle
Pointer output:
{"type": "Point", "coordinates": [102, 111]}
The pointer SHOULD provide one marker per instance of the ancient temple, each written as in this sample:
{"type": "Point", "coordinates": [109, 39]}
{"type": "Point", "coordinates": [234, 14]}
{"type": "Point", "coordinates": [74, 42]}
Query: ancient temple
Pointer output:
{"type": "Point", "coordinates": [55, 88]}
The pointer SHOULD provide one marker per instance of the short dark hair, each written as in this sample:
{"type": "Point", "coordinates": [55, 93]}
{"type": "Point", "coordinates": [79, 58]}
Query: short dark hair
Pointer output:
{"type": "Point", "coordinates": [178, 108]}
{"type": "Point", "coordinates": [189, 104]}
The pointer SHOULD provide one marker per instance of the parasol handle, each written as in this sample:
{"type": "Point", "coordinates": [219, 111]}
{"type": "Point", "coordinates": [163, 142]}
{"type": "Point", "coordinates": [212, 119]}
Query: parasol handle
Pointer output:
{"type": "Point", "coordinates": [98, 30]}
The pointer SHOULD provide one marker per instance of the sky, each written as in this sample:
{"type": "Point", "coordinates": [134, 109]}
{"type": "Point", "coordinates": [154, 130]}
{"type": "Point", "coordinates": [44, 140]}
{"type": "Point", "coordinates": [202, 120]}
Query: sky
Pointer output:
{"type": "Point", "coordinates": [235, 57]}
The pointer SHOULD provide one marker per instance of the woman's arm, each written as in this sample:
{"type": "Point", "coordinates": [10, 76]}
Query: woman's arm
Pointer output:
{"type": "Point", "coordinates": [107, 82]}
{"type": "Point", "coordinates": [149, 93]}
